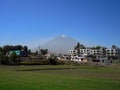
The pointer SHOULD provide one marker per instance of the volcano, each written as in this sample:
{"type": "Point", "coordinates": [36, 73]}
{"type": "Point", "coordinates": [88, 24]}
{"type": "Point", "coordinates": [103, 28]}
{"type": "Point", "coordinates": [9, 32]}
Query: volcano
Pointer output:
{"type": "Point", "coordinates": [60, 44]}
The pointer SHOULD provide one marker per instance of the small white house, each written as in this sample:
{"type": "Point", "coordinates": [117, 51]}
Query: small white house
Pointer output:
{"type": "Point", "coordinates": [78, 59]}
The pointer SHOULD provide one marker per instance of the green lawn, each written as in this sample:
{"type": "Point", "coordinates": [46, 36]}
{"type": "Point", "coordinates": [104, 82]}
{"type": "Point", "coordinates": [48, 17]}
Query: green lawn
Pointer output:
{"type": "Point", "coordinates": [67, 78]}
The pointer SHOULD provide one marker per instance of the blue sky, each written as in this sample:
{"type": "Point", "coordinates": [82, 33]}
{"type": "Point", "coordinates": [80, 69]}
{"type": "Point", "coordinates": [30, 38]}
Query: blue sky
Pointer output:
{"type": "Point", "coordinates": [34, 22]}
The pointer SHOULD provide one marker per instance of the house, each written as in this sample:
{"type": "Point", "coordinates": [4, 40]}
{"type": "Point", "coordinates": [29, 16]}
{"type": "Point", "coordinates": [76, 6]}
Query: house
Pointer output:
{"type": "Point", "coordinates": [78, 59]}
{"type": "Point", "coordinates": [18, 53]}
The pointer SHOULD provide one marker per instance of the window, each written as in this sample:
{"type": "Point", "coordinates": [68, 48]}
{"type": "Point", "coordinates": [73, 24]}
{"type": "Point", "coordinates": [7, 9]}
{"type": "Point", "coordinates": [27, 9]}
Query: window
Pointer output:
{"type": "Point", "coordinates": [81, 50]}
{"type": "Point", "coordinates": [103, 61]}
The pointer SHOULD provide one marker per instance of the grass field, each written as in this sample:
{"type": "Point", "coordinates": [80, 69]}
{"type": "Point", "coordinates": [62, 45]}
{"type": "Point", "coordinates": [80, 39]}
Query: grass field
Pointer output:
{"type": "Point", "coordinates": [64, 77]}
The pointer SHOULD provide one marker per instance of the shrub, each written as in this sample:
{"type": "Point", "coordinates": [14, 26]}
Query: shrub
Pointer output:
{"type": "Point", "coordinates": [52, 61]}
{"type": "Point", "coordinates": [61, 62]}
{"type": "Point", "coordinates": [5, 60]}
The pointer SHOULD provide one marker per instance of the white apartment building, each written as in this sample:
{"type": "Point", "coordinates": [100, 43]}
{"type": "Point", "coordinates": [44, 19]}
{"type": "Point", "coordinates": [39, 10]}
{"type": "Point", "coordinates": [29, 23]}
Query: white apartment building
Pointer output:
{"type": "Point", "coordinates": [95, 52]}
{"type": "Point", "coordinates": [72, 52]}
{"type": "Point", "coordinates": [85, 51]}
{"type": "Point", "coordinates": [108, 52]}
{"type": "Point", "coordinates": [113, 52]}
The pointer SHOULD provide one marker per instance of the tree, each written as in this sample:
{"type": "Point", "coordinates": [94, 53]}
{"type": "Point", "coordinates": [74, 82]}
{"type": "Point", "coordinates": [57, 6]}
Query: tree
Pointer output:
{"type": "Point", "coordinates": [13, 58]}
{"type": "Point", "coordinates": [29, 51]}
{"type": "Point", "coordinates": [93, 48]}
{"type": "Point", "coordinates": [78, 47]}
{"type": "Point", "coordinates": [4, 60]}
{"type": "Point", "coordinates": [18, 47]}
{"type": "Point", "coordinates": [98, 47]}
{"type": "Point", "coordinates": [24, 52]}
{"type": "Point", "coordinates": [53, 61]}
{"type": "Point", "coordinates": [44, 51]}
{"type": "Point", "coordinates": [0, 50]}
{"type": "Point", "coordinates": [7, 48]}
{"type": "Point", "coordinates": [114, 47]}
{"type": "Point", "coordinates": [82, 46]}
{"type": "Point", "coordinates": [25, 48]}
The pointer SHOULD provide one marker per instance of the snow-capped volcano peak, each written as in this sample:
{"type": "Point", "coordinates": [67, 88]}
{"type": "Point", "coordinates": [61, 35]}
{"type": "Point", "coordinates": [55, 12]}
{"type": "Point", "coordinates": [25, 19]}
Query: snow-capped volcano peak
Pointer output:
{"type": "Point", "coordinates": [63, 36]}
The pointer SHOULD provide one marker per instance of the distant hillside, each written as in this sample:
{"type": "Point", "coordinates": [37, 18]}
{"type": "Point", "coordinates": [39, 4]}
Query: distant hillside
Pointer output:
{"type": "Point", "coordinates": [60, 44]}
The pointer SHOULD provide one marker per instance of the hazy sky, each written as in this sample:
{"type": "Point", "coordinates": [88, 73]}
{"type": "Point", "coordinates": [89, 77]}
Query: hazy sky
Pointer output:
{"type": "Point", "coordinates": [33, 22]}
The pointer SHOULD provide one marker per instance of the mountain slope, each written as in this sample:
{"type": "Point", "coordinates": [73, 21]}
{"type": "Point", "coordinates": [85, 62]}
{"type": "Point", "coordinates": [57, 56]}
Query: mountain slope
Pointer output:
{"type": "Point", "coordinates": [60, 44]}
